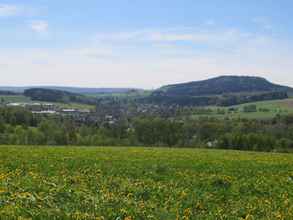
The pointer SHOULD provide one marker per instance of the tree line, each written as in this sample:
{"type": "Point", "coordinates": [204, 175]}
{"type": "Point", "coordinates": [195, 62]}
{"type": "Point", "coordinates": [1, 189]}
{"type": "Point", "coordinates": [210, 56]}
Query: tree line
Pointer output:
{"type": "Point", "coordinates": [20, 127]}
{"type": "Point", "coordinates": [219, 100]}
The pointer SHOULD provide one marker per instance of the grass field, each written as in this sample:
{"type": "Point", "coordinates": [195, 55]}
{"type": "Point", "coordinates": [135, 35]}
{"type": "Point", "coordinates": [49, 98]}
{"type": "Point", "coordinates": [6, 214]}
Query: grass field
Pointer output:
{"type": "Point", "coordinates": [14, 98]}
{"type": "Point", "coordinates": [144, 183]}
{"type": "Point", "coordinates": [274, 107]}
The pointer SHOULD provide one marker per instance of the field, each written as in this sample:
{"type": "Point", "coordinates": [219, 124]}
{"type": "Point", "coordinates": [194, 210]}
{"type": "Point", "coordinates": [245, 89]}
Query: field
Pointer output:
{"type": "Point", "coordinates": [14, 98]}
{"type": "Point", "coordinates": [144, 183]}
{"type": "Point", "coordinates": [265, 110]}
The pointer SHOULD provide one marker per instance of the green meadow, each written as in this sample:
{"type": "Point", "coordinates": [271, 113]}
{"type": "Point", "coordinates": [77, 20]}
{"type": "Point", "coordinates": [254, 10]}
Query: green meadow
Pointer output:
{"type": "Point", "coordinates": [14, 98]}
{"type": "Point", "coordinates": [264, 110]}
{"type": "Point", "coordinates": [143, 183]}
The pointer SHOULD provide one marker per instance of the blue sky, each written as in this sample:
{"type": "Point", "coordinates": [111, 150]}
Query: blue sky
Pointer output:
{"type": "Point", "coordinates": [145, 44]}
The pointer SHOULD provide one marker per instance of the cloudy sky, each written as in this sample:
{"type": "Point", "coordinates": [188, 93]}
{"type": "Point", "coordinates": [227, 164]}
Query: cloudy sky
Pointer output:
{"type": "Point", "coordinates": [138, 43]}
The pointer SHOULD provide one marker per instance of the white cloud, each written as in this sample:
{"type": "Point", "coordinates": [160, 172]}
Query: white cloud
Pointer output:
{"type": "Point", "coordinates": [201, 36]}
{"type": "Point", "coordinates": [97, 53]}
{"type": "Point", "coordinates": [39, 26]}
{"type": "Point", "coordinates": [7, 10]}
{"type": "Point", "coordinates": [192, 35]}
{"type": "Point", "coordinates": [24, 10]}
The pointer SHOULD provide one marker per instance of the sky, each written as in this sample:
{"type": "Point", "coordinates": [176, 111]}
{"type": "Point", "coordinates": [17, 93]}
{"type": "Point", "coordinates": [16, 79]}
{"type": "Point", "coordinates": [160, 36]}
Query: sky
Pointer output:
{"type": "Point", "coordinates": [143, 44]}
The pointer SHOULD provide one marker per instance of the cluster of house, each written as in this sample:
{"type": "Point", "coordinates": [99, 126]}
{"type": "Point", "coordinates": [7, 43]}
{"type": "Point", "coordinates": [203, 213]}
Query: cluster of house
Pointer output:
{"type": "Point", "coordinates": [47, 108]}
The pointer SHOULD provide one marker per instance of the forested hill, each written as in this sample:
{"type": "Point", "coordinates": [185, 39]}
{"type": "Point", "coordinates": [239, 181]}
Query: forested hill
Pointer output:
{"type": "Point", "coordinates": [3, 93]}
{"type": "Point", "coordinates": [50, 95]}
{"type": "Point", "coordinates": [222, 85]}
{"type": "Point", "coordinates": [79, 90]}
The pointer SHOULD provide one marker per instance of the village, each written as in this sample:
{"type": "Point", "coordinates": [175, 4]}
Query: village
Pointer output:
{"type": "Point", "coordinates": [47, 108]}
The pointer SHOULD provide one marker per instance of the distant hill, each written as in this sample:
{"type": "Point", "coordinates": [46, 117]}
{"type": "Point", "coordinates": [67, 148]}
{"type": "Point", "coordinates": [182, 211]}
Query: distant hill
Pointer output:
{"type": "Point", "coordinates": [222, 85]}
{"type": "Point", "coordinates": [51, 95]}
{"type": "Point", "coordinates": [80, 90]}
{"type": "Point", "coordinates": [8, 93]}
{"type": "Point", "coordinates": [219, 91]}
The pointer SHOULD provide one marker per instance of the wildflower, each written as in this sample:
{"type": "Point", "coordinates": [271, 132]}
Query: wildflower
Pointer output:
{"type": "Point", "coordinates": [187, 213]}
{"type": "Point", "coordinates": [3, 176]}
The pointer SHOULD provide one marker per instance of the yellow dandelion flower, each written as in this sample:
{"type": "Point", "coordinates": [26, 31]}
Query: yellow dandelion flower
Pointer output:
{"type": "Point", "coordinates": [187, 213]}
{"type": "Point", "coordinates": [3, 176]}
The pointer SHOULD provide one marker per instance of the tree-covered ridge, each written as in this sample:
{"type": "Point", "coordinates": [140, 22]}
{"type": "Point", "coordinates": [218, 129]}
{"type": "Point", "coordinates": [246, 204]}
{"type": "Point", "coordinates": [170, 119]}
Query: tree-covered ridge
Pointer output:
{"type": "Point", "coordinates": [51, 95]}
{"type": "Point", "coordinates": [222, 85]}
{"type": "Point", "coordinates": [79, 90]}
{"type": "Point", "coordinates": [216, 100]}
{"type": "Point", "coordinates": [220, 91]}
{"type": "Point", "coordinates": [4, 92]}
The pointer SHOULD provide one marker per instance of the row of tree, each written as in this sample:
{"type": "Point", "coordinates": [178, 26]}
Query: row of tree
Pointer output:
{"type": "Point", "coordinates": [20, 127]}
{"type": "Point", "coordinates": [220, 100]}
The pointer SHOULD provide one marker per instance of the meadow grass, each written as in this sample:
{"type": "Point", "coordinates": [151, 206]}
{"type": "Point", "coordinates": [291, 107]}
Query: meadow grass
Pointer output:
{"type": "Point", "coordinates": [273, 107]}
{"type": "Point", "coordinates": [144, 183]}
{"type": "Point", "coordinates": [14, 98]}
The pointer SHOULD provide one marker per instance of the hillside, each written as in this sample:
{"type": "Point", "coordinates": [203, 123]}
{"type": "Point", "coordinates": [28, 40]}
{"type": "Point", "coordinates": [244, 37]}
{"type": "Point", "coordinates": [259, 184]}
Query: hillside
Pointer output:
{"type": "Point", "coordinates": [219, 91]}
{"type": "Point", "coordinates": [8, 93]}
{"type": "Point", "coordinates": [80, 90]}
{"type": "Point", "coordinates": [222, 85]}
{"type": "Point", "coordinates": [50, 95]}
